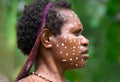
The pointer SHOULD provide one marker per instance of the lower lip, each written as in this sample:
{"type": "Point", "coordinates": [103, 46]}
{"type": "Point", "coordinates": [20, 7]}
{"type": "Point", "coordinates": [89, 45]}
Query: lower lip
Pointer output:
{"type": "Point", "coordinates": [84, 56]}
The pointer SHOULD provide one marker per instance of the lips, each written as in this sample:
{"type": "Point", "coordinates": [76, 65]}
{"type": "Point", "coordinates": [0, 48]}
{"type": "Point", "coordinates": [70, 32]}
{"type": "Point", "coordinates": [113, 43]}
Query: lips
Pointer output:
{"type": "Point", "coordinates": [84, 54]}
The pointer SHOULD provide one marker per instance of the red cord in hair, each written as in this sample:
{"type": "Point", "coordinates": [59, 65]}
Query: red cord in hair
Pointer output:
{"type": "Point", "coordinates": [32, 56]}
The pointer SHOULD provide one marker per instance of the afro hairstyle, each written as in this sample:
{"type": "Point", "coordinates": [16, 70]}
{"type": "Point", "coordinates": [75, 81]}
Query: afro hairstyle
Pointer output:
{"type": "Point", "coordinates": [29, 22]}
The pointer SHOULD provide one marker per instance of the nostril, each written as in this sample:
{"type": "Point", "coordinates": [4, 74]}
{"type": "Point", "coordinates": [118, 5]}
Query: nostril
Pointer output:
{"type": "Point", "coordinates": [85, 44]}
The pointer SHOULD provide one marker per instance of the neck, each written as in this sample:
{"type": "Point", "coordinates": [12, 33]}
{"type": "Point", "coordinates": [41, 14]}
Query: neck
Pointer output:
{"type": "Point", "coordinates": [49, 68]}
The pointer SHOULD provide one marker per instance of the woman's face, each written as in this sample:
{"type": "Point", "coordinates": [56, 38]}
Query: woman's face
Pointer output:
{"type": "Point", "coordinates": [70, 47]}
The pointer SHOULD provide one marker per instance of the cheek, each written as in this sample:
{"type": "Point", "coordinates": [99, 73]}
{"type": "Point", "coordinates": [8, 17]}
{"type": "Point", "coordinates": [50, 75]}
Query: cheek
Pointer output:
{"type": "Point", "coordinates": [68, 50]}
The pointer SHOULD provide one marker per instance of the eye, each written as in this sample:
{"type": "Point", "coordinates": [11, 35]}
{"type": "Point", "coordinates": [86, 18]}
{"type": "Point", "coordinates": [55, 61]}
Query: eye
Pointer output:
{"type": "Point", "coordinates": [78, 32]}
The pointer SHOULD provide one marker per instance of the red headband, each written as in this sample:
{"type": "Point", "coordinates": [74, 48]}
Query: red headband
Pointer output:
{"type": "Point", "coordinates": [32, 56]}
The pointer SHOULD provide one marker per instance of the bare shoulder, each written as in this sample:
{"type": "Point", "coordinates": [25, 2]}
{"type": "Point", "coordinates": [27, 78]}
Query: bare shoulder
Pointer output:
{"type": "Point", "coordinates": [32, 78]}
{"type": "Point", "coordinates": [27, 79]}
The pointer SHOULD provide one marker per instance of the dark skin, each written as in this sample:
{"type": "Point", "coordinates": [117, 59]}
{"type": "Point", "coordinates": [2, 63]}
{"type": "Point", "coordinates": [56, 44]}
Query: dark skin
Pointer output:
{"type": "Point", "coordinates": [65, 51]}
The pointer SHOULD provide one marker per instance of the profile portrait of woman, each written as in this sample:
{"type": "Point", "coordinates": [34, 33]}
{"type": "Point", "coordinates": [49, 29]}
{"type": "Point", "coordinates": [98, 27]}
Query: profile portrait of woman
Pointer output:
{"type": "Point", "coordinates": [50, 33]}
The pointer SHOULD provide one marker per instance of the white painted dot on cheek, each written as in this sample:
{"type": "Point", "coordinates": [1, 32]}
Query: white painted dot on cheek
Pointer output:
{"type": "Point", "coordinates": [71, 25]}
{"type": "Point", "coordinates": [74, 40]}
{"type": "Point", "coordinates": [82, 59]}
{"type": "Point", "coordinates": [65, 37]}
{"type": "Point", "coordinates": [70, 15]}
{"type": "Point", "coordinates": [65, 47]}
{"type": "Point", "coordinates": [73, 47]}
{"type": "Point", "coordinates": [76, 58]}
{"type": "Point", "coordinates": [70, 59]}
{"type": "Point", "coordinates": [64, 60]}
{"type": "Point", "coordinates": [73, 50]}
{"type": "Point", "coordinates": [66, 54]}
{"type": "Point", "coordinates": [62, 44]}
{"type": "Point", "coordinates": [75, 23]}
{"type": "Point", "coordinates": [61, 52]}
{"type": "Point", "coordinates": [73, 53]}
{"type": "Point", "coordinates": [57, 45]}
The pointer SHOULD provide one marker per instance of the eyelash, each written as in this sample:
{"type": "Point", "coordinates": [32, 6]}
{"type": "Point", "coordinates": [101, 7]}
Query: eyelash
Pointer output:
{"type": "Point", "coordinates": [77, 33]}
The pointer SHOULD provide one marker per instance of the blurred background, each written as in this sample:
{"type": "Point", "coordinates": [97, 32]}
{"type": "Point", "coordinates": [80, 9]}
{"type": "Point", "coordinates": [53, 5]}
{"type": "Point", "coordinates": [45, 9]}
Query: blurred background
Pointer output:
{"type": "Point", "coordinates": [101, 21]}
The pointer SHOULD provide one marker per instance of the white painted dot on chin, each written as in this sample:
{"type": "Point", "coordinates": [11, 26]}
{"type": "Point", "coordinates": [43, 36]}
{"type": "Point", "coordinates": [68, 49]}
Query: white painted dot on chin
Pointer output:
{"type": "Point", "coordinates": [70, 59]}
{"type": "Point", "coordinates": [81, 65]}
{"type": "Point", "coordinates": [64, 60]}
{"type": "Point", "coordinates": [82, 59]}
{"type": "Point", "coordinates": [76, 65]}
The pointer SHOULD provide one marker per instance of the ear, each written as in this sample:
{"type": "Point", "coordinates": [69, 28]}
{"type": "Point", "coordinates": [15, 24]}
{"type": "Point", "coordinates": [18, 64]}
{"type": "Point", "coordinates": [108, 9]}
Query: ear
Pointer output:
{"type": "Point", "coordinates": [46, 36]}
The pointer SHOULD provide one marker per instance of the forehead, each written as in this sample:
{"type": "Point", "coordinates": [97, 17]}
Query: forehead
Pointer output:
{"type": "Point", "coordinates": [72, 21]}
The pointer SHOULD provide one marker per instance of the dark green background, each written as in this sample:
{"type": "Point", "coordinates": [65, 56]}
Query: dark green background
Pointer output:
{"type": "Point", "coordinates": [101, 21]}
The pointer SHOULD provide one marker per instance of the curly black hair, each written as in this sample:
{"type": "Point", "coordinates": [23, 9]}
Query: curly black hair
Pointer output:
{"type": "Point", "coordinates": [29, 22]}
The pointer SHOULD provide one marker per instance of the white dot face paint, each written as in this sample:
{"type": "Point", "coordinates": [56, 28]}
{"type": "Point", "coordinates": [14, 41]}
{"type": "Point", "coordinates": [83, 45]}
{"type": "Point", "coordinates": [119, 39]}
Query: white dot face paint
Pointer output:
{"type": "Point", "coordinates": [62, 44]}
{"type": "Point", "coordinates": [71, 15]}
{"type": "Point", "coordinates": [70, 59]}
{"type": "Point", "coordinates": [75, 23]}
{"type": "Point", "coordinates": [69, 51]}
{"type": "Point", "coordinates": [61, 52]}
{"type": "Point", "coordinates": [70, 41]}
{"type": "Point", "coordinates": [57, 45]}
{"type": "Point", "coordinates": [66, 54]}
{"type": "Point", "coordinates": [77, 58]}
{"type": "Point", "coordinates": [65, 47]}
{"type": "Point", "coordinates": [76, 65]}
{"type": "Point", "coordinates": [65, 37]}
{"type": "Point", "coordinates": [73, 47]}
{"type": "Point", "coordinates": [73, 53]}
{"type": "Point", "coordinates": [64, 60]}
{"type": "Point", "coordinates": [73, 50]}
{"type": "Point", "coordinates": [72, 25]}
{"type": "Point", "coordinates": [82, 59]}
{"type": "Point", "coordinates": [67, 31]}
{"type": "Point", "coordinates": [74, 40]}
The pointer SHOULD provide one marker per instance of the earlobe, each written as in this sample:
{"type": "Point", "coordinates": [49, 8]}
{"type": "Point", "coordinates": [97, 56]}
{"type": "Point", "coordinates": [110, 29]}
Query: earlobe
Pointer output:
{"type": "Point", "coordinates": [46, 39]}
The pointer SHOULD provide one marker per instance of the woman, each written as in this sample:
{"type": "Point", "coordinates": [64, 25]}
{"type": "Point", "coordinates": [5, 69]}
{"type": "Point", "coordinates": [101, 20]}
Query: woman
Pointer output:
{"type": "Point", "coordinates": [50, 33]}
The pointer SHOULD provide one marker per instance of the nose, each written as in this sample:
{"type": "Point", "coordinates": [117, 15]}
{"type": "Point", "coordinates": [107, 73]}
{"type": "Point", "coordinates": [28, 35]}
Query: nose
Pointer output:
{"type": "Point", "coordinates": [84, 41]}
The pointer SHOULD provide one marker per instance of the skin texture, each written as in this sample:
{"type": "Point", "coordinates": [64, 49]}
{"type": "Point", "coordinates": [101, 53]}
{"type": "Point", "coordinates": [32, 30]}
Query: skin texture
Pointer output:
{"type": "Point", "coordinates": [65, 51]}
